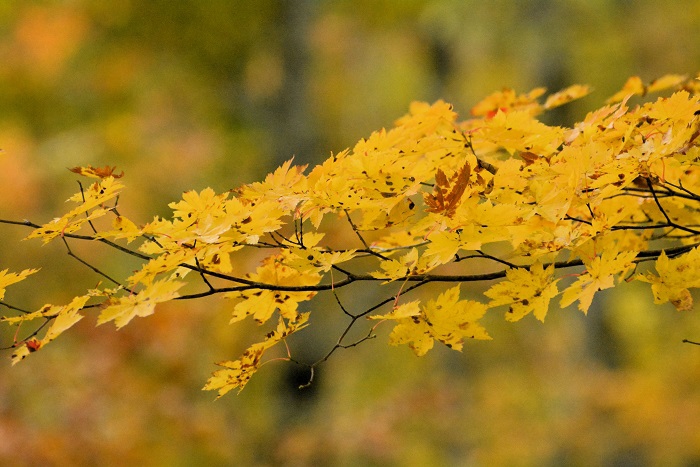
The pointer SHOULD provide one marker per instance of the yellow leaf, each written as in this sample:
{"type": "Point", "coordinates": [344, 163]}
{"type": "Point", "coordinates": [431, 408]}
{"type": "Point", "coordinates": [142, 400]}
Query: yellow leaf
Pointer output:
{"type": "Point", "coordinates": [215, 257]}
{"type": "Point", "coordinates": [666, 82]}
{"type": "Point", "coordinates": [567, 95]}
{"type": "Point", "coordinates": [123, 309]}
{"type": "Point", "coordinates": [121, 228]}
{"type": "Point", "coordinates": [195, 205]}
{"type": "Point", "coordinates": [165, 262]}
{"type": "Point", "coordinates": [261, 303]}
{"type": "Point", "coordinates": [61, 318]}
{"type": "Point", "coordinates": [20, 354]}
{"type": "Point", "coordinates": [444, 246]}
{"type": "Point", "coordinates": [632, 86]}
{"type": "Point", "coordinates": [681, 107]}
{"type": "Point", "coordinates": [673, 279]}
{"type": "Point", "coordinates": [95, 195]}
{"type": "Point", "coordinates": [316, 260]}
{"type": "Point", "coordinates": [635, 86]}
{"type": "Point", "coordinates": [91, 206]}
{"type": "Point", "coordinates": [12, 278]}
{"type": "Point", "coordinates": [507, 100]}
{"type": "Point", "coordinates": [393, 269]}
{"type": "Point", "coordinates": [286, 185]}
{"type": "Point", "coordinates": [520, 131]}
{"type": "Point", "coordinates": [405, 310]}
{"type": "Point", "coordinates": [66, 317]}
{"type": "Point", "coordinates": [600, 275]}
{"type": "Point", "coordinates": [414, 333]}
{"type": "Point", "coordinates": [525, 291]}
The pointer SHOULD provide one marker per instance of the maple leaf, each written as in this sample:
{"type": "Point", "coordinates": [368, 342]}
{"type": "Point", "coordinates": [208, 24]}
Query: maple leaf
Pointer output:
{"type": "Point", "coordinates": [215, 257]}
{"type": "Point", "coordinates": [262, 303]}
{"type": "Point", "coordinates": [263, 217]}
{"type": "Point", "coordinates": [444, 246]}
{"type": "Point", "coordinates": [635, 86]}
{"type": "Point", "coordinates": [525, 291]}
{"type": "Point", "coordinates": [65, 317]}
{"type": "Point", "coordinates": [24, 350]}
{"type": "Point", "coordinates": [425, 119]}
{"type": "Point", "coordinates": [520, 131]}
{"type": "Point", "coordinates": [97, 172]}
{"type": "Point", "coordinates": [611, 186]}
{"type": "Point", "coordinates": [507, 100]}
{"type": "Point", "coordinates": [213, 218]}
{"type": "Point", "coordinates": [91, 202]}
{"type": "Point", "coordinates": [123, 309]}
{"type": "Point", "coordinates": [632, 86]}
{"type": "Point", "coordinates": [121, 228]}
{"type": "Point", "coordinates": [666, 82]}
{"type": "Point", "coordinates": [40, 313]}
{"type": "Point", "coordinates": [405, 310]}
{"type": "Point", "coordinates": [393, 269]}
{"type": "Point", "coordinates": [195, 205]}
{"type": "Point", "coordinates": [286, 185]}
{"type": "Point", "coordinates": [600, 275]}
{"type": "Point", "coordinates": [446, 319]}
{"type": "Point", "coordinates": [673, 279]}
{"type": "Point", "coordinates": [567, 95]}
{"type": "Point", "coordinates": [407, 265]}
{"type": "Point", "coordinates": [167, 261]}
{"type": "Point", "coordinates": [680, 107]}
{"type": "Point", "coordinates": [62, 318]}
{"type": "Point", "coordinates": [67, 224]}
{"type": "Point", "coordinates": [316, 260]}
{"type": "Point", "coordinates": [447, 193]}
{"type": "Point", "coordinates": [12, 278]}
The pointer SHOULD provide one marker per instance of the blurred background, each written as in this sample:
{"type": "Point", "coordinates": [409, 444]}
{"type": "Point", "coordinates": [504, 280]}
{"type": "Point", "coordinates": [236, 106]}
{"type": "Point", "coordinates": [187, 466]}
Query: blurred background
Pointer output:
{"type": "Point", "coordinates": [189, 94]}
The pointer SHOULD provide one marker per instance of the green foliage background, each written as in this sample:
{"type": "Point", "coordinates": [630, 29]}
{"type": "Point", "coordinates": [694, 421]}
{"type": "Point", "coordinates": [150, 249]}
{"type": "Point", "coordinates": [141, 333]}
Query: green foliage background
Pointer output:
{"type": "Point", "coordinates": [190, 94]}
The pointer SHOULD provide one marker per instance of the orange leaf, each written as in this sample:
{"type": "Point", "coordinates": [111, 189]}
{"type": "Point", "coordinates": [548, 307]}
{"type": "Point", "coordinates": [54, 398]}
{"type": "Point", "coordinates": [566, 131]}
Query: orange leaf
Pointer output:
{"type": "Point", "coordinates": [97, 172]}
{"type": "Point", "coordinates": [447, 194]}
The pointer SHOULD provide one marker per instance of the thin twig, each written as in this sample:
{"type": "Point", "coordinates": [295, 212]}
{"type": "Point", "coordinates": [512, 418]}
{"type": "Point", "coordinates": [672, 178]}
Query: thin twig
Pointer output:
{"type": "Point", "coordinates": [12, 307]}
{"type": "Point", "coordinates": [82, 194]}
{"type": "Point", "coordinates": [663, 211]}
{"type": "Point", "coordinates": [362, 239]}
{"type": "Point", "coordinates": [201, 274]}
{"type": "Point", "coordinates": [98, 271]}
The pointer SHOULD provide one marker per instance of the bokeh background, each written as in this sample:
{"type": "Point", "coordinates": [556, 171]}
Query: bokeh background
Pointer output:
{"type": "Point", "coordinates": [190, 94]}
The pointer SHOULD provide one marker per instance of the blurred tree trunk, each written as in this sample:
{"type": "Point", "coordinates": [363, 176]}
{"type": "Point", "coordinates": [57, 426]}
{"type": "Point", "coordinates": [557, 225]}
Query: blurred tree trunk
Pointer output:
{"type": "Point", "coordinates": [291, 113]}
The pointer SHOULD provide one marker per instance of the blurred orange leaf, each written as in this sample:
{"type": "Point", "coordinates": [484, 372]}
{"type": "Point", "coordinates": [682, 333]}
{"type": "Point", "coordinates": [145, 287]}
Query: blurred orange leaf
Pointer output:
{"type": "Point", "coordinates": [97, 172]}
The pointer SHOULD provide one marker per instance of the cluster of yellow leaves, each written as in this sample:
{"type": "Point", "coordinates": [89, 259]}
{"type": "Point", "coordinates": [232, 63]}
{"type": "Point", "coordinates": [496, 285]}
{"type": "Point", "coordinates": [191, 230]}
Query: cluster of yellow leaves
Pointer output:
{"type": "Point", "coordinates": [236, 374]}
{"type": "Point", "coordinates": [635, 86]}
{"type": "Point", "coordinates": [599, 275]}
{"type": "Point", "coordinates": [674, 277]}
{"type": "Point", "coordinates": [500, 192]}
{"type": "Point", "coordinates": [121, 310]}
{"type": "Point", "coordinates": [91, 206]}
{"type": "Point", "coordinates": [508, 100]}
{"type": "Point", "coordinates": [61, 318]}
{"type": "Point", "coordinates": [407, 265]}
{"type": "Point", "coordinates": [261, 304]}
{"type": "Point", "coordinates": [446, 319]}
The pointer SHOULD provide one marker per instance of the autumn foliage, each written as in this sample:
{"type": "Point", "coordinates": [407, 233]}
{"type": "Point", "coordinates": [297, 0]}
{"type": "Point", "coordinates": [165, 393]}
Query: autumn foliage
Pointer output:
{"type": "Point", "coordinates": [537, 212]}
